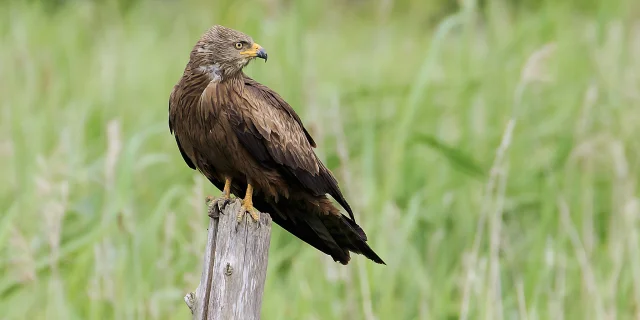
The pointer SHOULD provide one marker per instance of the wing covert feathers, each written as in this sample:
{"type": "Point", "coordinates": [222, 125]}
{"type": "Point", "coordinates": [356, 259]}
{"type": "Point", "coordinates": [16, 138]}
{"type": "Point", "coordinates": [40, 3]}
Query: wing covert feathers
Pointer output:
{"type": "Point", "coordinates": [274, 134]}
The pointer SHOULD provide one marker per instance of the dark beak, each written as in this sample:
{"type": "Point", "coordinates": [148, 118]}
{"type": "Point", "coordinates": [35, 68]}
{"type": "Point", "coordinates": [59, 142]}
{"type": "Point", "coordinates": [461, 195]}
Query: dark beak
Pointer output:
{"type": "Point", "coordinates": [262, 54]}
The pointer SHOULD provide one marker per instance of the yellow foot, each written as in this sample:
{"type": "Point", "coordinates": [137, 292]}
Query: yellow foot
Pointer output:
{"type": "Point", "coordinates": [217, 205]}
{"type": "Point", "coordinates": [248, 208]}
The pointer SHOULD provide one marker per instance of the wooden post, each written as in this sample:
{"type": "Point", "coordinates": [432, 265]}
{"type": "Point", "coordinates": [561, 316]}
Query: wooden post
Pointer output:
{"type": "Point", "coordinates": [235, 266]}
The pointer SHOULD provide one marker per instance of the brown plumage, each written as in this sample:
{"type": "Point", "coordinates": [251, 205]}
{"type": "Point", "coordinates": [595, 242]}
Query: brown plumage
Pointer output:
{"type": "Point", "coordinates": [248, 141]}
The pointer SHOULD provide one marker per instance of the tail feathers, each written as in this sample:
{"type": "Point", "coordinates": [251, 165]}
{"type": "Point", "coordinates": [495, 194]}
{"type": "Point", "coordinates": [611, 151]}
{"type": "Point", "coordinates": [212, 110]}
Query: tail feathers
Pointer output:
{"type": "Point", "coordinates": [333, 234]}
{"type": "Point", "coordinates": [350, 236]}
{"type": "Point", "coordinates": [334, 248]}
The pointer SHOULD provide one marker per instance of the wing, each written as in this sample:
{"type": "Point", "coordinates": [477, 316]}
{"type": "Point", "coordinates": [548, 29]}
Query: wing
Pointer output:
{"type": "Point", "coordinates": [273, 133]}
{"type": "Point", "coordinates": [271, 98]}
{"type": "Point", "coordinates": [173, 103]}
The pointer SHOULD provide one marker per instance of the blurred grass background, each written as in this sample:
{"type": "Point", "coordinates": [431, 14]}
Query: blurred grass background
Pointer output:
{"type": "Point", "coordinates": [490, 149]}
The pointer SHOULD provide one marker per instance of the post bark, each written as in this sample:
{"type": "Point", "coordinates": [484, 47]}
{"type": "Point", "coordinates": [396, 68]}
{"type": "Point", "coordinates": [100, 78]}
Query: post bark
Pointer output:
{"type": "Point", "coordinates": [234, 265]}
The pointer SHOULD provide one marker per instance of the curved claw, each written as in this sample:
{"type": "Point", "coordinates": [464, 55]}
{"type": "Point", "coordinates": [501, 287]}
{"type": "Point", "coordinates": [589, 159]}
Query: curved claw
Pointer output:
{"type": "Point", "coordinates": [223, 202]}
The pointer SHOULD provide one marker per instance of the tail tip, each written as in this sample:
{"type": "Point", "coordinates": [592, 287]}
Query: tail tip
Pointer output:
{"type": "Point", "coordinates": [344, 260]}
{"type": "Point", "coordinates": [375, 258]}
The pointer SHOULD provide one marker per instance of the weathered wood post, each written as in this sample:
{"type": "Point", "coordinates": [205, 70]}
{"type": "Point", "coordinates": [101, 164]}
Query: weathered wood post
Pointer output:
{"type": "Point", "coordinates": [234, 266]}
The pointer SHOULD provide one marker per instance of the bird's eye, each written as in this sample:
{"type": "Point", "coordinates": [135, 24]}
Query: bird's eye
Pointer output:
{"type": "Point", "coordinates": [239, 45]}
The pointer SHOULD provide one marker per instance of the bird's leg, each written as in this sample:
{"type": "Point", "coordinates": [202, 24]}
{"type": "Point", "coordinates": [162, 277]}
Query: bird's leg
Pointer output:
{"type": "Point", "coordinates": [225, 199]}
{"type": "Point", "coordinates": [226, 192]}
{"type": "Point", "coordinates": [247, 205]}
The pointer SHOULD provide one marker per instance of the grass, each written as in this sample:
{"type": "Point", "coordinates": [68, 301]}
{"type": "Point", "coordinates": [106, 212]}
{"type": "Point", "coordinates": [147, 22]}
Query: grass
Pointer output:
{"type": "Point", "coordinates": [491, 156]}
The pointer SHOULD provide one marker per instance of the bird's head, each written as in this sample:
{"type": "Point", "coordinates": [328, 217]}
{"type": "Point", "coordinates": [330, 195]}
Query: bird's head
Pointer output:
{"type": "Point", "coordinates": [225, 51]}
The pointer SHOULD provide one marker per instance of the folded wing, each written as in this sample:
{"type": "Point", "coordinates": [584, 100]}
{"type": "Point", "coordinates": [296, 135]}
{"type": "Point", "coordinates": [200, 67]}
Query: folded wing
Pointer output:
{"type": "Point", "coordinates": [273, 133]}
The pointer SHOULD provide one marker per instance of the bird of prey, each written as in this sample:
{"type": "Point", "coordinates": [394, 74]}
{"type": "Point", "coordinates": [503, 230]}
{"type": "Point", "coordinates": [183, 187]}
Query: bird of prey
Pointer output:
{"type": "Point", "coordinates": [248, 141]}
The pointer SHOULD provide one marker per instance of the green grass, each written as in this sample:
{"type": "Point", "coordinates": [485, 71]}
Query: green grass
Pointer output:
{"type": "Point", "coordinates": [492, 157]}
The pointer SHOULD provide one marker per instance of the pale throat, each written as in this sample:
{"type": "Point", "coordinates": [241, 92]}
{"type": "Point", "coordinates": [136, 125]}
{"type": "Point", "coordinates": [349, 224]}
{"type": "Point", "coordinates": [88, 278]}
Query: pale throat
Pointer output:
{"type": "Point", "coordinates": [213, 71]}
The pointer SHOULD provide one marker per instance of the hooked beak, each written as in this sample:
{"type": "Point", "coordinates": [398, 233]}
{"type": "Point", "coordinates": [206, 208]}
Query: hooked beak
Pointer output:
{"type": "Point", "coordinates": [256, 51]}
